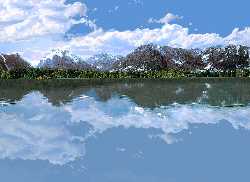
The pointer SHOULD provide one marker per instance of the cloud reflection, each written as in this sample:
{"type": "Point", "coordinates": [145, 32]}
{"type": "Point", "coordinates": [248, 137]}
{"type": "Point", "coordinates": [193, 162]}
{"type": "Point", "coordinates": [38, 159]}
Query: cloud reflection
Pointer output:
{"type": "Point", "coordinates": [33, 129]}
{"type": "Point", "coordinates": [172, 119]}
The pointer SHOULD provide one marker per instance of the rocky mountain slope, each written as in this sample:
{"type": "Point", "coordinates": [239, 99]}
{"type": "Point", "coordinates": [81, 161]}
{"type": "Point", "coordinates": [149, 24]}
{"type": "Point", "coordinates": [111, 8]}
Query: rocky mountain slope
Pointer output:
{"type": "Point", "coordinates": [12, 62]}
{"type": "Point", "coordinates": [226, 58]}
{"type": "Point", "coordinates": [154, 58]}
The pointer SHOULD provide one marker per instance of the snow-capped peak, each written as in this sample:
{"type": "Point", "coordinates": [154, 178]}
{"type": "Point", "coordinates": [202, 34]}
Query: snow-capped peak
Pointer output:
{"type": "Point", "coordinates": [102, 61]}
{"type": "Point", "coordinates": [62, 54]}
{"type": "Point", "coordinates": [102, 57]}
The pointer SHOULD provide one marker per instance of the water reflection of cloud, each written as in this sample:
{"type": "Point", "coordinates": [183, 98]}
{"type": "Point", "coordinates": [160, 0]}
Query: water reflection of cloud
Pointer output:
{"type": "Point", "coordinates": [122, 112]}
{"type": "Point", "coordinates": [33, 129]}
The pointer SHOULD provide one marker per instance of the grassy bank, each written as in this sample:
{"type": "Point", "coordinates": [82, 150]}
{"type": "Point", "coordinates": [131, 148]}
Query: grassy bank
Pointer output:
{"type": "Point", "coordinates": [43, 74]}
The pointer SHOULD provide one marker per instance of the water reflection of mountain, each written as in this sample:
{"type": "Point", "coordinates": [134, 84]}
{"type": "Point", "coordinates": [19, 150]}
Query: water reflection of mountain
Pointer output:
{"type": "Point", "coordinates": [147, 93]}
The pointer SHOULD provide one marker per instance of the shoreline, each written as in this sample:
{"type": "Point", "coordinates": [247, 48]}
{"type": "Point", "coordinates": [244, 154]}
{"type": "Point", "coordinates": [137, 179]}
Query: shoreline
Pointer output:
{"type": "Point", "coordinates": [169, 74]}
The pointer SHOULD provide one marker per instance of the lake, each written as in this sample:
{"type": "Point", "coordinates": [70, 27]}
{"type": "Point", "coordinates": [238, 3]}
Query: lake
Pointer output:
{"type": "Point", "coordinates": [187, 130]}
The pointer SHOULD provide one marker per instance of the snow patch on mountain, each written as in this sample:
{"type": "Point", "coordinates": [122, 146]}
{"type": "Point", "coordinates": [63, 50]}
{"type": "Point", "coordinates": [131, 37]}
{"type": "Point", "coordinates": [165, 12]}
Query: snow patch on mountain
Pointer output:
{"type": "Point", "coordinates": [59, 59]}
{"type": "Point", "coordinates": [62, 54]}
{"type": "Point", "coordinates": [103, 61]}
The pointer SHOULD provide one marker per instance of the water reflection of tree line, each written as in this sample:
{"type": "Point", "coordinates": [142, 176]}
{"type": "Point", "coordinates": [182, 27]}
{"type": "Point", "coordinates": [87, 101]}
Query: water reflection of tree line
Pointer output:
{"type": "Point", "coordinates": [147, 93]}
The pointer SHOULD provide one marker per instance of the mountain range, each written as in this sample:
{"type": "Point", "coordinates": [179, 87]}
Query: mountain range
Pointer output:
{"type": "Point", "coordinates": [144, 58]}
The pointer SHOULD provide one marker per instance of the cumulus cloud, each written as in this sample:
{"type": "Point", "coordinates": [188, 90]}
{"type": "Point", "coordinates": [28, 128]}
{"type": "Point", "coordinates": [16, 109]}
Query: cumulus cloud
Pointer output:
{"type": "Point", "coordinates": [122, 42]}
{"type": "Point", "coordinates": [239, 37]}
{"type": "Point", "coordinates": [24, 19]}
{"type": "Point", "coordinates": [168, 18]}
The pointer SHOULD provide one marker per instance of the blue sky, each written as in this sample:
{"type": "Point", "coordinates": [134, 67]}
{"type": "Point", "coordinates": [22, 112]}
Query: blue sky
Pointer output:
{"type": "Point", "coordinates": [86, 27]}
{"type": "Point", "coordinates": [220, 16]}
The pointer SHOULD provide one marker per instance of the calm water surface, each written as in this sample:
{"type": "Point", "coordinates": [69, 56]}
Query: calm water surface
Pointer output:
{"type": "Point", "coordinates": [125, 131]}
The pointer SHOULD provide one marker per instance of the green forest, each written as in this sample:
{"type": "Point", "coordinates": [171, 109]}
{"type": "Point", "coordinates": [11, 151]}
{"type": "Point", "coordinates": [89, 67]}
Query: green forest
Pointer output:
{"type": "Point", "coordinates": [43, 74]}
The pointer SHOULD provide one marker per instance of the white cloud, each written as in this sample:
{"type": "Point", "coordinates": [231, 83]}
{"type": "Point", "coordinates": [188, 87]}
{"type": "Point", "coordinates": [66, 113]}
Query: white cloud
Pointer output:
{"type": "Point", "coordinates": [239, 37]}
{"type": "Point", "coordinates": [118, 42]}
{"type": "Point", "coordinates": [76, 9]}
{"type": "Point", "coordinates": [24, 19]}
{"type": "Point", "coordinates": [168, 18]}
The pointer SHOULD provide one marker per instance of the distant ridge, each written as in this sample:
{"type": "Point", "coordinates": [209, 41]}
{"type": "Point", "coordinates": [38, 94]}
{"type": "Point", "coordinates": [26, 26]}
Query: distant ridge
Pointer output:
{"type": "Point", "coordinates": [148, 57]}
